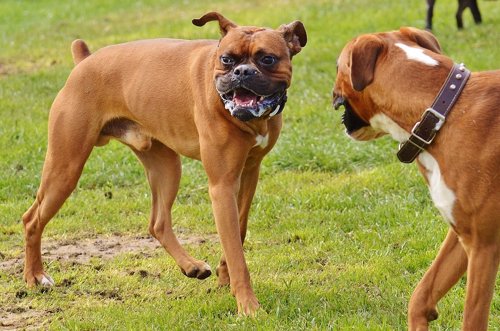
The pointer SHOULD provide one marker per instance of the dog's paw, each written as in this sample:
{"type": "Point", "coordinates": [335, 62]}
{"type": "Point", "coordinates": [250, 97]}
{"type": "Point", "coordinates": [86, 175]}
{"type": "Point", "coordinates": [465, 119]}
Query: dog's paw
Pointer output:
{"type": "Point", "coordinates": [432, 315]}
{"type": "Point", "coordinates": [248, 305]}
{"type": "Point", "coordinates": [41, 279]}
{"type": "Point", "coordinates": [222, 275]}
{"type": "Point", "coordinates": [197, 269]}
{"type": "Point", "coordinates": [419, 320]}
{"type": "Point", "coordinates": [47, 281]}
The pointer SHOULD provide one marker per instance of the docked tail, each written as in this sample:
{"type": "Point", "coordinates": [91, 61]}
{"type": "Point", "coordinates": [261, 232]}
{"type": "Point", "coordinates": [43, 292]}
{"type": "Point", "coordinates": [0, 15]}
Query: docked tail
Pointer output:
{"type": "Point", "coordinates": [80, 51]}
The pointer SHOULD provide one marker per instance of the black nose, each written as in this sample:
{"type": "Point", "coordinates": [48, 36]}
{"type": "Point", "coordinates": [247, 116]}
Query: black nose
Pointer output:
{"type": "Point", "coordinates": [244, 71]}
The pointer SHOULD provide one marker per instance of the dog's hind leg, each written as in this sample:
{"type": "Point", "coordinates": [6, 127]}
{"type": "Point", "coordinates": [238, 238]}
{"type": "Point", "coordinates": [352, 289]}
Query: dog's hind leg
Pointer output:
{"type": "Point", "coordinates": [71, 139]}
{"type": "Point", "coordinates": [163, 170]}
{"type": "Point", "coordinates": [484, 260]}
{"type": "Point", "coordinates": [430, 14]}
{"type": "Point", "coordinates": [474, 8]}
{"type": "Point", "coordinates": [449, 265]}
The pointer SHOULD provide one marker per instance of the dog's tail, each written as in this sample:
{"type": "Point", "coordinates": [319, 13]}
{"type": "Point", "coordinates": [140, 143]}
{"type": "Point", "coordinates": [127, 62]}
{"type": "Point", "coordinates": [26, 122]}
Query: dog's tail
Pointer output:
{"type": "Point", "coordinates": [80, 51]}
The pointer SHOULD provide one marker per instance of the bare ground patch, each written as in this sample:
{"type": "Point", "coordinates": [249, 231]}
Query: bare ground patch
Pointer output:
{"type": "Point", "coordinates": [105, 247]}
{"type": "Point", "coordinates": [9, 68]}
{"type": "Point", "coordinates": [22, 318]}
{"type": "Point", "coordinates": [80, 252]}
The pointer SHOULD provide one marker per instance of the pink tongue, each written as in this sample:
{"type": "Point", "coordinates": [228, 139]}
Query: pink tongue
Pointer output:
{"type": "Point", "coordinates": [245, 98]}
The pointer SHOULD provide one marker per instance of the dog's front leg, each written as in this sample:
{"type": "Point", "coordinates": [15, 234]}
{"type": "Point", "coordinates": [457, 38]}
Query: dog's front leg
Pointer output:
{"type": "Point", "coordinates": [462, 4]}
{"type": "Point", "coordinates": [248, 185]}
{"type": "Point", "coordinates": [449, 265]}
{"type": "Point", "coordinates": [224, 165]}
{"type": "Point", "coordinates": [482, 269]}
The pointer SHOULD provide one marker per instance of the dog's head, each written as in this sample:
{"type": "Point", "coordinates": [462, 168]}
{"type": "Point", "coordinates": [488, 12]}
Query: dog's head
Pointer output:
{"type": "Point", "coordinates": [253, 65]}
{"type": "Point", "coordinates": [372, 72]}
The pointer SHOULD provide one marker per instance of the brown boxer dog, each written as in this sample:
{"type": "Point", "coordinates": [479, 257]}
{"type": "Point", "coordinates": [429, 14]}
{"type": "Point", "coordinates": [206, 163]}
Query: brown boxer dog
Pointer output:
{"type": "Point", "coordinates": [386, 81]}
{"type": "Point", "coordinates": [217, 101]}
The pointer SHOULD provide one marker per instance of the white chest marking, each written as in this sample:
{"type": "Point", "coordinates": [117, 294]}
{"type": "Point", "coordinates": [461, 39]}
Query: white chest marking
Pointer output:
{"type": "Point", "coordinates": [385, 124]}
{"type": "Point", "coordinates": [261, 141]}
{"type": "Point", "coordinates": [417, 54]}
{"type": "Point", "coordinates": [443, 197]}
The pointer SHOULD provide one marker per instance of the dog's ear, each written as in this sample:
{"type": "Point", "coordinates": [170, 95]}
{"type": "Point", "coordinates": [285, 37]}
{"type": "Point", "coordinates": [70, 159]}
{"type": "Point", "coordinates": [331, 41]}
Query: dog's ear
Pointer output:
{"type": "Point", "coordinates": [364, 55]}
{"type": "Point", "coordinates": [224, 24]}
{"type": "Point", "coordinates": [295, 36]}
{"type": "Point", "coordinates": [423, 38]}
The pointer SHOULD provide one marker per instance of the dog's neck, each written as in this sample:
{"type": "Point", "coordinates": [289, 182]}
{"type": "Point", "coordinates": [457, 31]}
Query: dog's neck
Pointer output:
{"type": "Point", "coordinates": [406, 104]}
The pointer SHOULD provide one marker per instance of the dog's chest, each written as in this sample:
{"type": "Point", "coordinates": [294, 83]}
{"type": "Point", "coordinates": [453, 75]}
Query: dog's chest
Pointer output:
{"type": "Point", "coordinates": [261, 140]}
{"type": "Point", "coordinates": [442, 196]}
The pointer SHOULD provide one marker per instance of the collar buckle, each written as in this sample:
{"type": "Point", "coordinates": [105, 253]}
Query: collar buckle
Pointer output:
{"type": "Point", "coordinates": [434, 117]}
{"type": "Point", "coordinates": [441, 118]}
{"type": "Point", "coordinates": [440, 121]}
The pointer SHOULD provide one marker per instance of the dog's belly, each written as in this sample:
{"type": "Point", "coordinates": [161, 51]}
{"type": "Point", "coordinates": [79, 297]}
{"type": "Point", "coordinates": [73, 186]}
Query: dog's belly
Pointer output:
{"type": "Point", "coordinates": [140, 137]}
{"type": "Point", "coordinates": [188, 146]}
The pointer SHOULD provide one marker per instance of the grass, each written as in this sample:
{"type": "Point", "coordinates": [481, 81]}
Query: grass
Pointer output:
{"type": "Point", "coordinates": [340, 232]}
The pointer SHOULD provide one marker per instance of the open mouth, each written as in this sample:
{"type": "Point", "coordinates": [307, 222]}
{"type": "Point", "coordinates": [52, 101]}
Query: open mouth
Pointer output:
{"type": "Point", "coordinates": [246, 105]}
{"type": "Point", "coordinates": [350, 119]}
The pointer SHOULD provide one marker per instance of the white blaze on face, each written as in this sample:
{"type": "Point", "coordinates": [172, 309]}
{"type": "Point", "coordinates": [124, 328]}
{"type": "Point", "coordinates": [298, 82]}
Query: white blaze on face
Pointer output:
{"type": "Point", "coordinates": [417, 54]}
{"type": "Point", "coordinates": [384, 123]}
{"type": "Point", "coordinates": [442, 196]}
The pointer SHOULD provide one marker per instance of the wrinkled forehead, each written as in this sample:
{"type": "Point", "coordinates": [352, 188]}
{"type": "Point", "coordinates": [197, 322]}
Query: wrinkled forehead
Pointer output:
{"type": "Point", "coordinates": [389, 39]}
{"type": "Point", "coordinates": [252, 40]}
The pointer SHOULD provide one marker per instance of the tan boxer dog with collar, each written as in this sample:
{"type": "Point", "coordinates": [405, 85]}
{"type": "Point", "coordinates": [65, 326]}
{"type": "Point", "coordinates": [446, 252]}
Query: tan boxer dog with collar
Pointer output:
{"type": "Point", "coordinates": [386, 82]}
{"type": "Point", "coordinates": [217, 101]}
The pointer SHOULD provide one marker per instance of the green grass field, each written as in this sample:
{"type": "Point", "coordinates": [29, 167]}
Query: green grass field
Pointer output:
{"type": "Point", "coordinates": [339, 234]}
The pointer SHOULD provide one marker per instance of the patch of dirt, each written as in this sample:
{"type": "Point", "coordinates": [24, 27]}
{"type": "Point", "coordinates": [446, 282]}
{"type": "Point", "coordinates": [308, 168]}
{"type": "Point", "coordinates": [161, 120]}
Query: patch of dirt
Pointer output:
{"type": "Point", "coordinates": [104, 247]}
{"type": "Point", "coordinates": [21, 318]}
{"type": "Point", "coordinates": [8, 69]}
{"type": "Point", "coordinates": [3, 70]}
{"type": "Point", "coordinates": [24, 66]}
{"type": "Point", "coordinates": [80, 252]}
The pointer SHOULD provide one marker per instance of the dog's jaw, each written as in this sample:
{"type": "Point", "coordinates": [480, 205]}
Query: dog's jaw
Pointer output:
{"type": "Point", "coordinates": [366, 133]}
{"type": "Point", "coordinates": [246, 105]}
{"type": "Point", "coordinates": [383, 124]}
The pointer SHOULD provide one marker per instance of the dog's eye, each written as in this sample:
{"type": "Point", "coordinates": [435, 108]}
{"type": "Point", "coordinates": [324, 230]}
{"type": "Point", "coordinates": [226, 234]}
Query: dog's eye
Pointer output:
{"type": "Point", "coordinates": [227, 60]}
{"type": "Point", "coordinates": [268, 60]}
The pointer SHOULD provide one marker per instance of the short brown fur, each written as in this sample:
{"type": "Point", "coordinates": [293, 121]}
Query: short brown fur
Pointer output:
{"type": "Point", "coordinates": [467, 150]}
{"type": "Point", "coordinates": [159, 97]}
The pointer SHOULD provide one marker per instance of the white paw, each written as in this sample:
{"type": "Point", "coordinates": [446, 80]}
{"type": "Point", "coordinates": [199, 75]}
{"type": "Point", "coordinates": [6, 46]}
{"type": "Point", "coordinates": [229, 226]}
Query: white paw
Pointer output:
{"type": "Point", "coordinates": [47, 281]}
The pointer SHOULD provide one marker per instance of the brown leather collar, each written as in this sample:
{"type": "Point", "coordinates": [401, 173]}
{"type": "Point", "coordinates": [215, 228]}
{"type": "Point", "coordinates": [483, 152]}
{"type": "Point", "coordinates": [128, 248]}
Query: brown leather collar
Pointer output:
{"type": "Point", "coordinates": [424, 131]}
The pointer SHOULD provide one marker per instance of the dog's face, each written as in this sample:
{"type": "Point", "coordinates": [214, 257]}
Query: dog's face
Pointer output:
{"type": "Point", "coordinates": [371, 67]}
{"type": "Point", "coordinates": [253, 66]}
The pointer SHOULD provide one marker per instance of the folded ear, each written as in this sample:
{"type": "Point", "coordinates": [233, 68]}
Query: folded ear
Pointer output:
{"type": "Point", "coordinates": [295, 35]}
{"type": "Point", "coordinates": [364, 55]}
{"type": "Point", "coordinates": [423, 38]}
{"type": "Point", "coordinates": [224, 24]}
